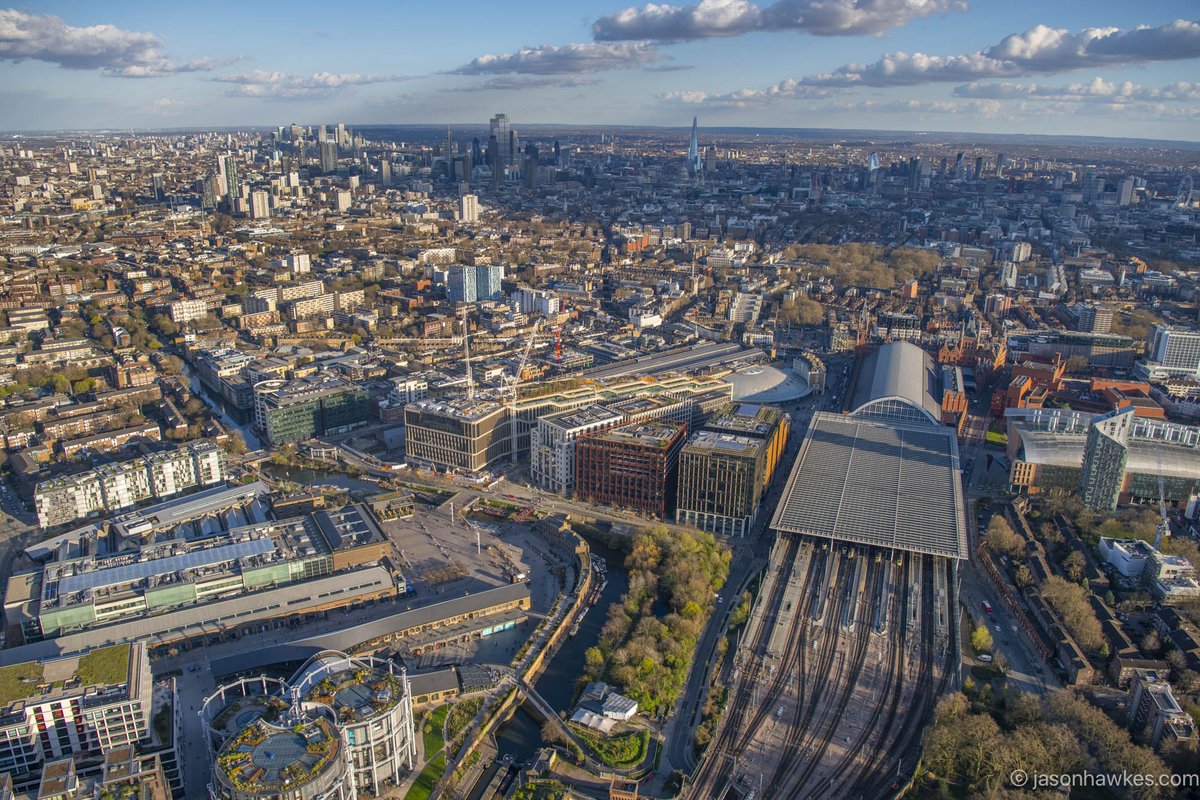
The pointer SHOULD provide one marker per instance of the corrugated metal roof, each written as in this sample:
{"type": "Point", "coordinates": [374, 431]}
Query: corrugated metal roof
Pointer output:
{"type": "Point", "coordinates": [885, 484]}
{"type": "Point", "coordinates": [140, 570]}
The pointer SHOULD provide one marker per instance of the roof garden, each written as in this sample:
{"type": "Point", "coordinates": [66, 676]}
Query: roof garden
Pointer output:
{"type": "Point", "coordinates": [357, 695]}
{"type": "Point", "coordinates": [265, 758]}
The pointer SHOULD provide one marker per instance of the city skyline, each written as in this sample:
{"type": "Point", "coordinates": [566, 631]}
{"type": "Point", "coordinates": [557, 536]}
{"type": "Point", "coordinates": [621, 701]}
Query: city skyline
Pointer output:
{"type": "Point", "coordinates": [937, 65]}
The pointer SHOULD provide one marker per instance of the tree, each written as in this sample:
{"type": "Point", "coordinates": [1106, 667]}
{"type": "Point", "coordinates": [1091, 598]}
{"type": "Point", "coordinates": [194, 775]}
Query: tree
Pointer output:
{"type": "Point", "coordinates": [1071, 603]}
{"type": "Point", "coordinates": [801, 311]}
{"type": "Point", "coordinates": [1001, 538]}
{"type": "Point", "coordinates": [1151, 643]}
{"type": "Point", "coordinates": [83, 385]}
{"type": "Point", "coordinates": [1075, 564]}
{"type": "Point", "coordinates": [1024, 577]}
{"type": "Point", "coordinates": [164, 325]}
{"type": "Point", "coordinates": [981, 639]}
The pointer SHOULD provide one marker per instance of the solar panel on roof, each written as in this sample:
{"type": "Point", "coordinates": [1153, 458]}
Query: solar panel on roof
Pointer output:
{"type": "Point", "coordinates": [140, 570]}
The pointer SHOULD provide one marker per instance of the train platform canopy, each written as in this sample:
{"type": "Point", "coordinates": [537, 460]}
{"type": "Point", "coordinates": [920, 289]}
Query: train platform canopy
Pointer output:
{"type": "Point", "coordinates": [883, 483]}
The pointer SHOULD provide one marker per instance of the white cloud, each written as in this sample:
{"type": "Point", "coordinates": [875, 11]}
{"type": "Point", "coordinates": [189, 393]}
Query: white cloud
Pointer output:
{"type": "Point", "coordinates": [1097, 89]}
{"type": "Point", "coordinates": [514, 82]}
{"type": "Point", "coordinates": [744, 98]}
{"type": "Point", "coordinates": [285, 85]}
{"type": "Point", "coordinates": [564, 60]}
{"type": "Point", "coordinates": [1039, 50]}
{"type": "Point", "coordinates": [116, 52]}
{"type": "Point", "coordinates": [709, 19]}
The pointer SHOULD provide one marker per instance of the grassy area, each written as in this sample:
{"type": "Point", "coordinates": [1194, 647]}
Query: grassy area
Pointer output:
{"type": "Point", "coordinates": [997, 437]}
{"type": "Point", "coordinates": [19, 681]}
{"type": "Point", "coordinates": [460, 717]}
{"type": "Point", "coordinates": [432, 729]}
{"type": "Point", "coordinates": [423, 786]}
{"type": "Point", "coordinates": [105, 666]}
{"type": "Point", "coordinates": [541, 790]}
{"type": "Point", "coordinates": [620, 751]}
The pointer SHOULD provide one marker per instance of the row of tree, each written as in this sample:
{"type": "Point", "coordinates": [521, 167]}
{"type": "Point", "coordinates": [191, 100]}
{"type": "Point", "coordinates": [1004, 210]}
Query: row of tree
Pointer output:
{"type": "Point", "coordinates": [647, 643]}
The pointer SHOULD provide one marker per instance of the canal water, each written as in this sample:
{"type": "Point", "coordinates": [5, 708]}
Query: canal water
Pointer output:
{"type": "Point", "coordinates": [559, 683]}
{"type": "Point", "coordinates": [229, 416]}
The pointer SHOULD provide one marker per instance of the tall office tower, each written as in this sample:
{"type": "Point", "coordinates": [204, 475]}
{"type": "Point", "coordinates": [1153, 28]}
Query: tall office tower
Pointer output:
{"type": "Point", "coordinates": [468, 209]}
{"type": "Point", "coordinates": [448, 150]}
{"type": "Point", "coordinates": [710, 159]}
{"type": "Point", "coordinates": [493, 159]}
{"type": "Point", "coordinates": [1125, 192]}
{"type": "Point", "coordinates": [958, 166]}
{"type": "Point", "coordinates": [476, 153]}
{"type": "Point", "coordinates": [695, 165]}
{"type": "Point", "coordinates": [227, 166]}
{"type": "Point", "coordinates": [1095, 319]}
{"type": "Point", "coordinates": [156, 187]}
{"type": "Point", "coordinates": [342, 136]}
{"type": "Point", "coordinates": [1093, 186]}
{"type": "Point", "coordinates": [501, 132]}
{"type": "Point", "coordinates": [1000, 163]}
{"type": "Point", "coordinates": [329, 156]}
{"type": "Point", "coordinates": [322, 134]}
{"type": "Point", "coordinates": [385, 172]}
{"type": "Point", "coordinates": [557, 154]}
{"type": "Point", "coordinates": [978, 167]}
{"type": "Point", "coordinates": [1104, 459]}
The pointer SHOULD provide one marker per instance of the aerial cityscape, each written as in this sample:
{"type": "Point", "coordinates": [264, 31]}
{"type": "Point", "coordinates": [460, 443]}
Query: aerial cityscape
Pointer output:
{"type": "Point", "coordinates": [715, 401]}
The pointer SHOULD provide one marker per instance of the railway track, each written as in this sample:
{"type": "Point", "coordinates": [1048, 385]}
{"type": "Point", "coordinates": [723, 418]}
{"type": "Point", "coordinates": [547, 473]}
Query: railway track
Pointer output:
{"type": "Point", "coordinates": [826, 635]}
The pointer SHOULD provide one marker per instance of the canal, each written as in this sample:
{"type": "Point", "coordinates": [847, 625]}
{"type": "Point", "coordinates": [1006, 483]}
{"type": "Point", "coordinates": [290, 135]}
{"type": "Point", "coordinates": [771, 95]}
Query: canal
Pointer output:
{"type": "Point", "coordinates": [229, 416]}
{"type": "Point", "coordinates": [559, 683]}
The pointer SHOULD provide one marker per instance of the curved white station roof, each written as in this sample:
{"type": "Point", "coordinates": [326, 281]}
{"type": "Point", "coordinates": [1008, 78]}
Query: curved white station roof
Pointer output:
{"type": "Point", "coordinates": [900, 372]}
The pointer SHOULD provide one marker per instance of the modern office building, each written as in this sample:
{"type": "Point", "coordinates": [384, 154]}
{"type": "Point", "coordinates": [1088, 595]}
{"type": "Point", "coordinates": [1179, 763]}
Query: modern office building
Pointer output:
{"type": "Point", "coordinates": [767, 424]}
{"type": "Point", "coordinates": [341, 725]}
{"type": "Point", "coordinates": [328, 156]}
{"type": "Point", "coordinates": [471, 435]}
{"type": "Point", "coordinates": [725, 468]}
{"type": "Point", "coordinates": [318, 405]}
{"type": "Point", "coordinates": [94, 586]}
{"type": "Point", "coordinates": [721, 480]}
{"type": "Point", "coordinates": [634, 466]}
{"type": "Point", "coordinates": [1105, 455]}
{"type": "Point", "coordinates": [86, 705]}
{"type": "Point", "coordinates": [1173, 352]}
{"type": "Point", "coordinates": [504, 134]}
{"type": "Point", "coordinates": [1047, 448]}
{"type": "Point", "coordinates": [122, 485]}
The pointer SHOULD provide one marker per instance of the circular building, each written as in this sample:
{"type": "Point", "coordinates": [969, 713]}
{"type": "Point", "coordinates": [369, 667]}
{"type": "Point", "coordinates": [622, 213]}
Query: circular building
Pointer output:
{"type": "Point", "coordinates": [762, 383]}
{"type": "Point", "coordinates": [368, 698]}
{"type": "Point", "coordinates": [299, 759]}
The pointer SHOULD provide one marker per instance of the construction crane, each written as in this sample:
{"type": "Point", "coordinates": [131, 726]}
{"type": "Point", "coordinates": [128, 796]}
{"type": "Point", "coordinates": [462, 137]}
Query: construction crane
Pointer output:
{"type": "Point", "coordinates": [1164, 527]}
{"type": "Point", "coordinates": [512, 395]}
{"type": "Point", "coordinates": [467, 357]}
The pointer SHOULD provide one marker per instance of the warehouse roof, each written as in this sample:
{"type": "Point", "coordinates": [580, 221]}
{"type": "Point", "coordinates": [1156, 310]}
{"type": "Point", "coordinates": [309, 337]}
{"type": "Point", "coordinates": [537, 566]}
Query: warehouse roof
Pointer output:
{"type": "Point", "coordinates": [882, 483]}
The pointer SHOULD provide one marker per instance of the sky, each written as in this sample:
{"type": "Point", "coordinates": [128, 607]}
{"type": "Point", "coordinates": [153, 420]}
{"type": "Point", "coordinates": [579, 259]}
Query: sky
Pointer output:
{"type": "Point", "coordinates": [1094, 67]}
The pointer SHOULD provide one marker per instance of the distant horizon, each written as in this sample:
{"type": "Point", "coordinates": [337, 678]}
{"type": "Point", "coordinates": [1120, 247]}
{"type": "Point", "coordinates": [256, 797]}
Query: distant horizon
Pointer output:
{"type": "Point", "coordinates": [999, 137]}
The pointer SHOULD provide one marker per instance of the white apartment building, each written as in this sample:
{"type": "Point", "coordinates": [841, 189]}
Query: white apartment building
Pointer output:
{"type": "Point", "coordinates": [552, 449]}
